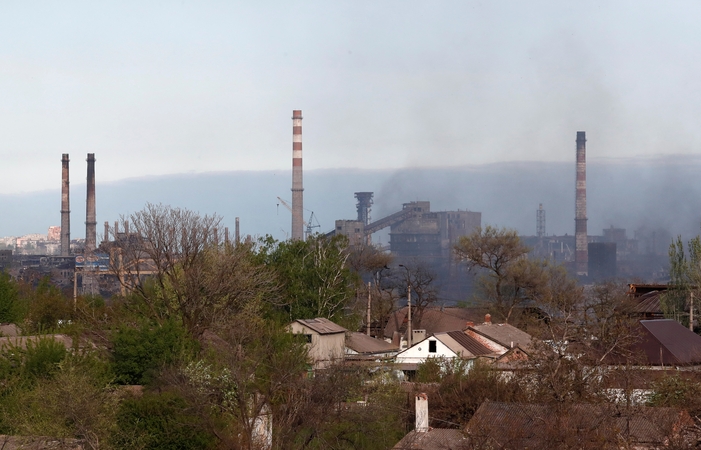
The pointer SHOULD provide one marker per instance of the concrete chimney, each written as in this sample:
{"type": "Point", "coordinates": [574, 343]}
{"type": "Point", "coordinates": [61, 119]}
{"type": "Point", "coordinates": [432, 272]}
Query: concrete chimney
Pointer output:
{"type": "Point", "coordinates": [65, 208]}
{"type": "Point", "coordinates": [297, 187]}
{"type": "Point", "coordinates": [106, 237]}
{"type": "Point", "coordinates": [226, 235]}
{"type": "Point", "coordinates": [237, 236]}
{"type": "Point", "coordinates": [90, 222]}
{"type": "Point", "coordinates": [581, 256]}
{"type": "Point", "coordinates": [487, 319]}
{"type": "Point", "coordinates": [421, 425]}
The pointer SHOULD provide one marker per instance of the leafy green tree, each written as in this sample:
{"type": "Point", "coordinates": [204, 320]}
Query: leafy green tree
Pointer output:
{"type": "Point", "coordinates": [314, 274]}
{"type": "Point", "coordinates": [48, 308]}
{"type": "Point", "coordinates": [162, 420]}
{"type": "Point", "coordinates": [12, 310]}
{"type": "Point", "coordinates": [173, 260]}
{"type": "Point", "coordinates": [685, 278]}
{"type": "Point", "coordinates": [139, 353]}
{"type": "Point", "coordinates": [507, 277]}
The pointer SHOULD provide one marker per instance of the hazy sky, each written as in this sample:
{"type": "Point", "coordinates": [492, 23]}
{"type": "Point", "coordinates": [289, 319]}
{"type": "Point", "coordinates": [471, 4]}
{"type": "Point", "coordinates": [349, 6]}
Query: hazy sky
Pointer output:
{"type": "Point", "coordinates": [162, 87]}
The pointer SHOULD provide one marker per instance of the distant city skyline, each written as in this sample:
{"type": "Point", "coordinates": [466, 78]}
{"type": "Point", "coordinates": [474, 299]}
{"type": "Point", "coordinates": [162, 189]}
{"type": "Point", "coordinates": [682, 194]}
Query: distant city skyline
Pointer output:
{"type": "Point", "coordinates": [194, 87]}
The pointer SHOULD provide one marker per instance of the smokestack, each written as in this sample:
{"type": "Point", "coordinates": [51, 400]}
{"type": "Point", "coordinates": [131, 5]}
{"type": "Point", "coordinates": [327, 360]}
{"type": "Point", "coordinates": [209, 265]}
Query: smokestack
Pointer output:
{"type": "Point", "coordinates": [90, 222]}
{"type": "Point", "coordinates": [65, 208]}
{"type": "Point", "coordinates": [421, 424]}
{"type": "Point", "coordinates": [581, 256]}
{"type": "Point", "coordinates": [237, 236]}
{"type": "Point", "coordinates": [106, 237]}
{"type": "Point", "coordinates": [297, 188]}
{"type": "Point", "coordinates": [226, 235]}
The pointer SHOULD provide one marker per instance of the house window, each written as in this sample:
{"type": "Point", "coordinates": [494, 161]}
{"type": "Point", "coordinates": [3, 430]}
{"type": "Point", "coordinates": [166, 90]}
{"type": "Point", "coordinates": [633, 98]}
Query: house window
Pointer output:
{"type": "Point", "coordinates": [308, 338]}
{"type": "Point", "coordinates": [432, 346]}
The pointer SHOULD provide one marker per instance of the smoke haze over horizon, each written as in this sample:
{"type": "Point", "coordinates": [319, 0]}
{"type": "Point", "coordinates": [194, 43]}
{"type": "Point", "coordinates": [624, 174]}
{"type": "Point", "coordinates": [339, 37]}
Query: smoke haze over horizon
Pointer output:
{"type": "Point", "coordinates": [194, 87]}
{"type": "Point", "coordinates": [656, 194]}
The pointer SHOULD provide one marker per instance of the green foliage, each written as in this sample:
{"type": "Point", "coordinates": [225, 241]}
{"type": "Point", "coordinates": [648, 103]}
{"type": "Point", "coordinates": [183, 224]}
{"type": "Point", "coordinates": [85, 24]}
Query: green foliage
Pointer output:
{"type": "Point", "coordinates": [160, 421]}
{"type": "Point", "coordinates": [685, 277]}
{"type": "Point", "coordinates": [39, 359]}
{"type": "Point", "coordinates": [12, 310]}
{"type": "Point", "coordinates": [676, 391]}
{"type": "Point", "coordinates": [315, 275]}
{"type": "Point", "coordinates": [429, 371]}
{"type": "Point", "coordinates": [139, 353]}
{"type": "Point", "coordinates": [77, 401]}
{"type": "Point", "coordinates": [48, 308]}
{"type": "Point", "coordinates": [507, 278]}
{"type": "Point", "coordinates": [43, 356]}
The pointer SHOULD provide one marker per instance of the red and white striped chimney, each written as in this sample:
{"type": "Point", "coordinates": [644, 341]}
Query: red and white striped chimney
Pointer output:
{"type": "Point", "coordinates": [297, 187]}
{"type": "Point", "coordinates": [581, 253]}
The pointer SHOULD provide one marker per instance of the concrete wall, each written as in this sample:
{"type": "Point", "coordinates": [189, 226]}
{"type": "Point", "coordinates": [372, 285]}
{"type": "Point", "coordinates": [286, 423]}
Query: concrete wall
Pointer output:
{"type": "Point", "coordinates": [323, 349]}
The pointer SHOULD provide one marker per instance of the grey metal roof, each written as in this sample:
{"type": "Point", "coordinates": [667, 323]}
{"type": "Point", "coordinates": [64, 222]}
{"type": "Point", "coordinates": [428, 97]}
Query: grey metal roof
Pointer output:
{"type": "Point", "coordinates": [363, 343]}
{"type": "Point", "coordinates": [322, 325]}
{"type": "Point", "coordinates": [504, 334]}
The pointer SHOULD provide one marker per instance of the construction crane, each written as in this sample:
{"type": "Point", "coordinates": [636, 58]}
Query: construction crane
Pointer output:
{"type": "Point", "coordinates": [310, 224]}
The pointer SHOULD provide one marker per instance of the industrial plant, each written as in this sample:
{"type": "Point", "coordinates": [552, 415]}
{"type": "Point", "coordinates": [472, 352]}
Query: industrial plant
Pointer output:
{"type": "Point", "coordinates": [417, 234]}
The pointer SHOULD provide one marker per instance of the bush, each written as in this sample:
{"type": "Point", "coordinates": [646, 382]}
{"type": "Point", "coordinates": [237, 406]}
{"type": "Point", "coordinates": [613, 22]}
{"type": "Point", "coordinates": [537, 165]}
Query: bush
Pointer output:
{"type": "Point", "coordinates": [160, 421]}
{"type": "Point", "coordinates": [139, 353]}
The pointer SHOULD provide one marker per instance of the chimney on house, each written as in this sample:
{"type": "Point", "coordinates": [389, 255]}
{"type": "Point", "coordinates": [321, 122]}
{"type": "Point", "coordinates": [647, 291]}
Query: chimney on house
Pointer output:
{"type": "Point", "coordinates": [487, 319]}
{"type": "Point", "coordinates": [421, 425]}
{"type": "Point", "coordinates": [90, 221]}
{"type": "Point", "coordinates": [581, 252]}
{"type": "Point", "coordinates": [469, 324]}
{"type": "Point", "coordinates": [65, 208]}
{"type": "Point", "coordinates": [297, 188]}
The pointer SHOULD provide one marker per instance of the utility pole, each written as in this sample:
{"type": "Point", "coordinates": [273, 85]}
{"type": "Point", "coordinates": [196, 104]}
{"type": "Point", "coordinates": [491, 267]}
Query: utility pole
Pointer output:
{"type": "Point", "coordinates": [691, 311]}
{"type": "Point", "coordinates": [367, 328]}
{"type": "Point", "coordinates": [409, 332]}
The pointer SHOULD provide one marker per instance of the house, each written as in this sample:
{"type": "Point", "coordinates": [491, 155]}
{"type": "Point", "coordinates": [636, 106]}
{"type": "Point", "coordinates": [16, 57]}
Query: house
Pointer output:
{"type": "Point", "coordinates": [447, 344]}
{"type": "Point", "coordinates": [535, 426]}
{"type": "Point", "coordinates": [499, 337]}
{"type": "Point", "coordinates": [665, 342]}
{"type": "Point", "coordinates": [325, 340]}
{"type": "Point", "coordinates": [423, 437]}
{"type": "Point", "coordinates": [430, 320]}
{"type": "Point", "coordinates": [360, 346]}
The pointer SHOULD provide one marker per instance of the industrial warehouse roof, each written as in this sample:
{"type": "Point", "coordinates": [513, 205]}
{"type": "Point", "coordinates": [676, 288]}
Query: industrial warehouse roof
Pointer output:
{"type": "Point", "coordinates": [322, 325]}
{"type": "Point", "coordinates": [365, 344]}
{"type": "Point", "coordinates": [667, 342]}
{"type": "Point", "coordinates": [518, 425]}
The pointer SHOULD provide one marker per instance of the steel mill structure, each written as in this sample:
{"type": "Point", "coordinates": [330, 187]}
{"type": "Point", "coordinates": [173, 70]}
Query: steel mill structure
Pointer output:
{"type": "Point", "coordinates": [65, 208]}
{"type": "Point", "coordinates": [297, 186]}
{"type": "Point", "coordinates": [581, 256]}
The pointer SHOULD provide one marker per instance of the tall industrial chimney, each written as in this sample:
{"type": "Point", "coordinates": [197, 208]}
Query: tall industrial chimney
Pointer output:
{"type": "Point", "coordinates": [297, 188]}
{"type": "Point", "coordinates": [90, 222]}
{"type": "Point", "coordinates": [581, 256]}
{"type": "Point", "coordinates": [65, 208]}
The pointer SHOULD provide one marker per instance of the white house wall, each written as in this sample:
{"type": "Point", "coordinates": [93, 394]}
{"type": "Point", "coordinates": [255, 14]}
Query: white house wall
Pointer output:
{"type": "Point", "coordinates": [419, 352]}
